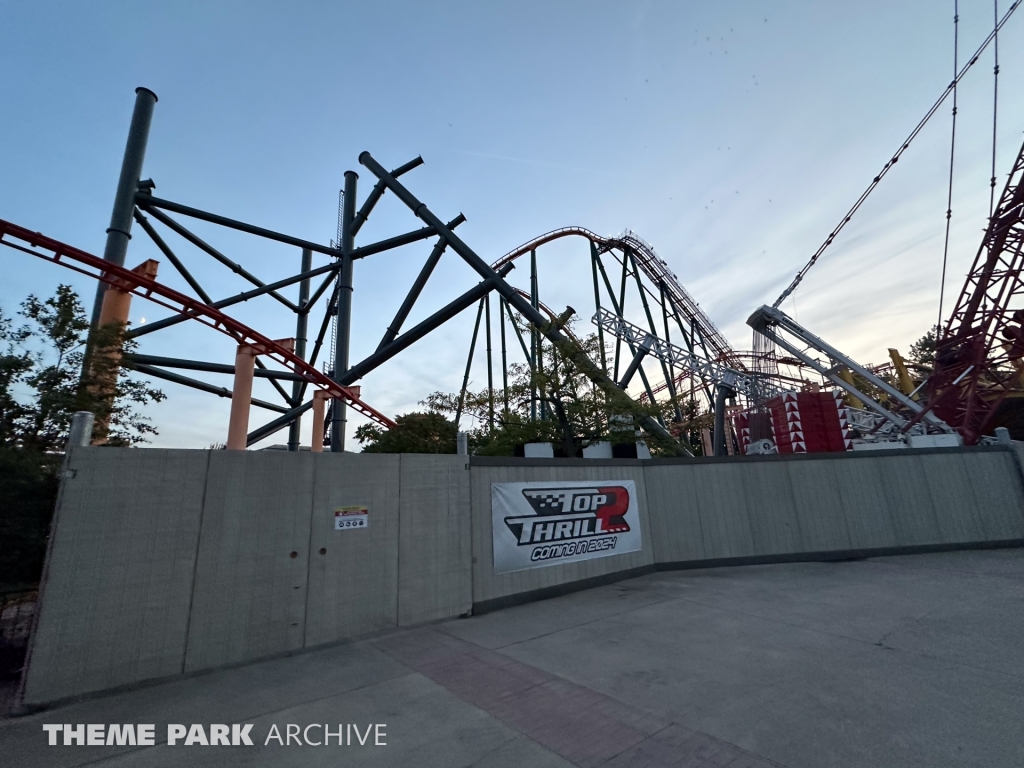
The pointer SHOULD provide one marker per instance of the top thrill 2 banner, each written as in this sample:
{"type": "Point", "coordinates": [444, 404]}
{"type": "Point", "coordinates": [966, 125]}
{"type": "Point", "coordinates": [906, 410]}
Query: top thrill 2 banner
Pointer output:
{"type": "Point", "coordinates": [538, 524]}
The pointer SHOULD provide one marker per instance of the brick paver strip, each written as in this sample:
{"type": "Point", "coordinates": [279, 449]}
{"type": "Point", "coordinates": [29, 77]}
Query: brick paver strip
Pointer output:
{"type": "Point", "coordinates": [581, 725]}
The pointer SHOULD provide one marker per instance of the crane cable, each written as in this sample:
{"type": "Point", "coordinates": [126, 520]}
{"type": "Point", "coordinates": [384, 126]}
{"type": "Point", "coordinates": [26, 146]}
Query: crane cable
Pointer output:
{"type": "Point", "coordinates": [995, 105]}
{"type": "Point", "coordinates": [885, 169]}
{"type": "Point", "coordinates": [952, 155]}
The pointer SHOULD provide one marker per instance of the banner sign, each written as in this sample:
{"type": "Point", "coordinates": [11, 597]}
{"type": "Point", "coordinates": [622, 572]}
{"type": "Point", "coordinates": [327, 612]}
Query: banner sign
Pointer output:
{"type": "Point", "coordinates": [538, 524]}
{"type": "Point", "coordinates": [350, 518]}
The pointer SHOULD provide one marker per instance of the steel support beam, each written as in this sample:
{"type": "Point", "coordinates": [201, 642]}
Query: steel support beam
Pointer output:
{"type": "Point", "coordinates": [339, 420]}
{"type": "Point", "coordinates": [617, 398]}
{"type": "Point", "coordinates": [469, 362]}
{"type": "Point", "coordinates": [277, 424]}
{"type": "Point", "coordinates": [638, 358]}
{"type": "Point", "coordinates": [377, 192]}
{"type": "Point", "coordinates": [199, 365]}
{"type": "Point", "coordinates": [722, 393]}
{"type": "Point", "coordinates": [417, 286]}
{"type": "Point", "coordinates": [301, 325]}
{"type": "Point", "coordinates": [597, 304]}
{"type": "Point", "coordinates": [237, 299]}
{"type": "Point", "coordinates": [490, 366]}
{"type": "Point", "coordinates": [204, 246]}
{"type": "Point", "coordinates": [535, 351]}
{"type": "Point", "coordinates": [414, 334]}
{"type": "Point", "coordinates": [504, 356]}
{"type": "Point", "coordinates": [149, 370]}
{"type": "Point", "coordinates": [149, 203]}
{"type": "Point", "coordinates": [393, 242]}
{"type": "Point", "coordinates": [120, 230]}
{"type": "Point", "coordinates": [171, 257]}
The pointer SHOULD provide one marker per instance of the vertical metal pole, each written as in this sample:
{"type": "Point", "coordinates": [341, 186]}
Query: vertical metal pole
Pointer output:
{"type": "Point", "coordinates": [504, 355]}
{"type": "Point", "coordinates": [469, 364]}
{"type": "Point", "coordinates": [341, 345]}
{"type": "Point", "coordinates": [597, 306]}
{"type": "Point", "coordinates": [120, 230]}
{"type": "Point", "coordinates": [622, 311]}
{"type": "Point", "coordinates": [533, 335]}
{"type": "Point", "coordinates": [490, 368]}
{"type": "Point", "coordinates": [721, 395]}
{"type": "Point", "coordinates": [301, 323]}
{"type": "Point", "coordinates": [671, 380]}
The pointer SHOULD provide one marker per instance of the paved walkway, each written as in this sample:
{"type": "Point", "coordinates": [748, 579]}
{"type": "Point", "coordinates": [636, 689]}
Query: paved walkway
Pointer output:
{"type": "Point", "coordinates": [902, 661]}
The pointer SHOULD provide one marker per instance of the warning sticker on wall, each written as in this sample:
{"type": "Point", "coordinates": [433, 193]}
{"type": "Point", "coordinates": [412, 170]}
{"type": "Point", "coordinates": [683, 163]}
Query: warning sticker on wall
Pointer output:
{"type": "Point", "coordinates": [350, 518]}
{"type": "Point", "coordinates": [539, 524]}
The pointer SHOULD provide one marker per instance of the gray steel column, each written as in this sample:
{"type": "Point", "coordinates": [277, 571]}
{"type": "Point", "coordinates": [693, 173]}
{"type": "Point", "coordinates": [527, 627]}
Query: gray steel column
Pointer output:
{"type": "Point", "coordinates": [341, 343]}
{"type": "Point", "coordinates": [534, 358]}
{"type": "Point", "coordinates": [490, 368]}
{"type": "Point", "coordinates": [722, 394]}
{"type": "Point", "coordinates": [301, 324]}
{"type": "Point", "coordinates": [120, 230]}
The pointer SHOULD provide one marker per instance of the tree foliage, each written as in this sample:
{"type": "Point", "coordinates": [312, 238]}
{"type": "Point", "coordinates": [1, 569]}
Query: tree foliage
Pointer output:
{"type": "Point", "coordinates": [922, 352]}
{"type": "Point", "coordinates": [555, 403]}
{"type": "Point", "coordinates": [41, 381]}
{"type": "Point", "coordinates": [42, 353]}
{"type": "Point", "coordinates": [427, 432]}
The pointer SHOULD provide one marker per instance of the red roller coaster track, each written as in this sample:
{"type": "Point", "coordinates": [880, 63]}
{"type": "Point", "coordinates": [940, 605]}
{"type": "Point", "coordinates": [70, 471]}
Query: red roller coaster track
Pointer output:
{"type": "Point", "coordinates": [657, 271]}
{"type": "Point", "coordinates": [68, 256]}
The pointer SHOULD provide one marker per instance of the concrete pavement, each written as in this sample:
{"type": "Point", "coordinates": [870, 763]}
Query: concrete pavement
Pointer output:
{"type": "Point", "coordinates": [899, 661]}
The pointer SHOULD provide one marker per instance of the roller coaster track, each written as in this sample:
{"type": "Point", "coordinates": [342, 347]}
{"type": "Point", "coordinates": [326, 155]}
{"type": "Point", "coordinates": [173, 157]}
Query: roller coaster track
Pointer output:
{"type": "Point", "coordinates": [656, 270]}
{"type": "Point", "coordinates": [70, 257]}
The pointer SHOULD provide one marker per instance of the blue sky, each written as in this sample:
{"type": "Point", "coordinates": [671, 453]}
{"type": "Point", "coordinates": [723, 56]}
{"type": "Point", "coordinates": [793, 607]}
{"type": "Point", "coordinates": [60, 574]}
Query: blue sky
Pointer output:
{"type": "Point", "coordinates": [731, 135]}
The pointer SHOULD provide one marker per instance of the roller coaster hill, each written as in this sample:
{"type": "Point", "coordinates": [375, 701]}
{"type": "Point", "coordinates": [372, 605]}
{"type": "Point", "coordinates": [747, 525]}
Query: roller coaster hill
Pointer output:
{"type": "Point", "coordinates": [793, 392]}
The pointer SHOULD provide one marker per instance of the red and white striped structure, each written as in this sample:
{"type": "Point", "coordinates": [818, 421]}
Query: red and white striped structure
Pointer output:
{"type": "Point", "coordinates": [802, 422]}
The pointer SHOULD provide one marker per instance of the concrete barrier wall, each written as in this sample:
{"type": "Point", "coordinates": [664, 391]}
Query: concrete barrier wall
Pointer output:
{"type": "Point", "coordinates": [249, 591]}
{"type": "Point", "coordinates": [435, 560]}
{"type": "Point", "coordinates": [119, 573]}
{"type": "Point", "coordinates": [785, 506]}
{"type": "Point", "coordinates": [353, 585]}
{"type": "Point", "coordinates": [166, 562]}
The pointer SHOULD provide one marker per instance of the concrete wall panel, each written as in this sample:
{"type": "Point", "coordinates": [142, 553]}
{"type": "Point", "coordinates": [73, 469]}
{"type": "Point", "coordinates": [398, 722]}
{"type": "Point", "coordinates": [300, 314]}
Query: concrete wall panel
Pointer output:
{"type": "Point", "coordinates": [909, 498]}
{"type": "Point", "coordinates": [996, 487]}
{"type": "Point", "coordinates": [249, 598]}
{"type": "Point", "coordinates": [818, 509]}
{"type": "Point", "coordinates": [869, 519]}
{"type": "Point", "coordinates": [487, 585]}
{"type": "Point", "coordinates": [773, 520]}
{"type": "Point", "coordinates": [676, 526]}
{"type": "Point", "coordinates": [951, 497]}
{"type": "Point", "coordinates": [435, 571]}
{"type": "Point", "coordinates": [115, 599]}
{"type": "Point", "coordinates": [353, 584]}
{"type": "Point", "coordinates": [724, 515]}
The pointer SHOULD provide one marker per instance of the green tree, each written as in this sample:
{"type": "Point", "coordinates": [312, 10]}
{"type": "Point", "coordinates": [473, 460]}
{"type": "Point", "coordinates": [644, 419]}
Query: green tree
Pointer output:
{"type": "Point", "coordinates": [922, 352]}
{"type": "Point", "coordinates": [417, 432]}
{"type": "Point", "coordinates": [41, 386]}
{"type": "Point", "coordinates": [43, 359]}
{"type": "Point", "coordinates": [571, 411]}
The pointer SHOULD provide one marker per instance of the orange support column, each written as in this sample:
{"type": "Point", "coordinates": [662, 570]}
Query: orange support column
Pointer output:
{"type": "Point", "coordinates": [241, 396]}
{"type": "Point", "coordinates": [320, 397]}
{"type": "Point", "coordinates": [106, 342]}
{"type": "Point", "coordinates": [241, 393]}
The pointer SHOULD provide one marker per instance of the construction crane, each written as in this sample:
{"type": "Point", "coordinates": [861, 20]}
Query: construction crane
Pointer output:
{"type": "Point", "coordinates": [978, 358]}
{"type": "Point", "coordinates": [903, 413]}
